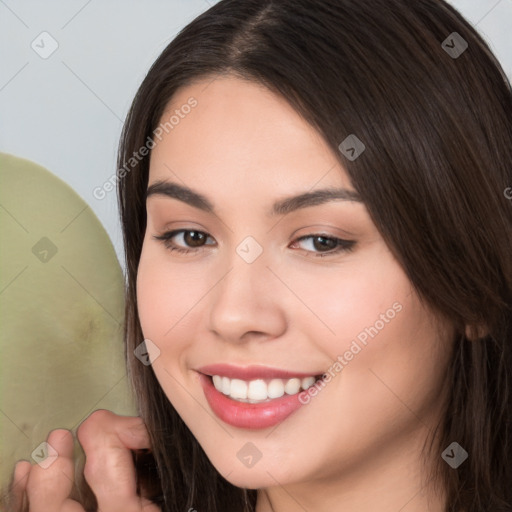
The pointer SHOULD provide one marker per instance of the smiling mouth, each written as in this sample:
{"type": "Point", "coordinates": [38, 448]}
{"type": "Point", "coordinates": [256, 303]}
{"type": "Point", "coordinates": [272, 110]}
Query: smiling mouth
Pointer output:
{"type": "Point", "coordinates": [255, 397]}
{"type": "Point", "coordinates": [261, 390]}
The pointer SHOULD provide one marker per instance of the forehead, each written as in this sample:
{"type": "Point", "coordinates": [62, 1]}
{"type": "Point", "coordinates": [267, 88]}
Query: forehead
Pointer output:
{"type": "Point", "coordinates": [238, 133]}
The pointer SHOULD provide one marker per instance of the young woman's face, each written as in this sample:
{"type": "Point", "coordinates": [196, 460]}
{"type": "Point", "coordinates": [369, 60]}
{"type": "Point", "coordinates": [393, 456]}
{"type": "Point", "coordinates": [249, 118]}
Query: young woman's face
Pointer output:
{"type": "Point", "coordinates": [275, 289]}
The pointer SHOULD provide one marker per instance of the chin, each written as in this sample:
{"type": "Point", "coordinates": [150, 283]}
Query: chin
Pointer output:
{"type": "Point", "coordinates": [247, 479]}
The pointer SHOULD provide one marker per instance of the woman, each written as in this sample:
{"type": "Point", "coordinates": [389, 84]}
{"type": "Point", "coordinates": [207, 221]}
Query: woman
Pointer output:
{"type": "Point", "coordinates": [318, 259]}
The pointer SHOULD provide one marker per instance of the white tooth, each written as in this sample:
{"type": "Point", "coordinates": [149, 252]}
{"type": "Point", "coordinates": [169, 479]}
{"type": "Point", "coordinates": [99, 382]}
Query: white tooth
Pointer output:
{"type": "Point", "coordinates": [217, 382]}
{"type": "Point", "coordinates": [275, 388]}
{"type": "Point", "coordinates": [226, 385]}
{"type": "Point", "coordinates": [292, 386]}
{"type": "Point", "coordinates": [257, 390]}
{"type": "Point", "coordinates": [307, 382]}
{"type": "Point", "coordinates": [238, 389]}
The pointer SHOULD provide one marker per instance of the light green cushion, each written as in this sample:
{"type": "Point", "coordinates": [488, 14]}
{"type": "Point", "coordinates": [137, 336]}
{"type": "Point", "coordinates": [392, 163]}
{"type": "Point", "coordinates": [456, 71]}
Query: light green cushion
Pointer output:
{"type": "Point", "coordinates": [61, 312]}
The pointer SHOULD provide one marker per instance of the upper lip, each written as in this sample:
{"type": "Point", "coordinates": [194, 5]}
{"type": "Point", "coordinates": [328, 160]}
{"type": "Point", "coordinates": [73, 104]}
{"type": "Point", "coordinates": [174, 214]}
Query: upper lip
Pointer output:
{"type": "Point", "coordinates": [252, 372]}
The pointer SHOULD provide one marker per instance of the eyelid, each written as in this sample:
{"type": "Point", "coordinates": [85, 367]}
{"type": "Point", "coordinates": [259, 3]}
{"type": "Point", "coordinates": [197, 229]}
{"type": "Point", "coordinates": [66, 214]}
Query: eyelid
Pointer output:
{"type": "Point", "coordinates": [327, 230]}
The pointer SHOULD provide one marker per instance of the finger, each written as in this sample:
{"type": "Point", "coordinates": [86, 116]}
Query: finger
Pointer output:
{"type": "Point", "coordinates": [17, 486]}
{"type": "Point", "coordinates": [107, 439]}
{"type": "Point", "coordinates": [50, 481]}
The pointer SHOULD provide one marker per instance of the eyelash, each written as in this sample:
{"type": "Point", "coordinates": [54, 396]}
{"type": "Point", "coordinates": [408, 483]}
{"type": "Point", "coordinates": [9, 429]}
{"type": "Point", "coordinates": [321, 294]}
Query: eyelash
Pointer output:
{"type": "Point", "coordinates": [342, 245]}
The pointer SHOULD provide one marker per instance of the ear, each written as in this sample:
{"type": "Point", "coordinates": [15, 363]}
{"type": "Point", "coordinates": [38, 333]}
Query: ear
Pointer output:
{"type": "Point", "coordinates": [476, 332]}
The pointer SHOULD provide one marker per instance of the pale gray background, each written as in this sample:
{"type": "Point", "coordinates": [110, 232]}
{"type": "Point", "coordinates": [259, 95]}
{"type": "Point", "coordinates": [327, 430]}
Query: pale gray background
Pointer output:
{"type": "Point", "coordinates": [66, 112]}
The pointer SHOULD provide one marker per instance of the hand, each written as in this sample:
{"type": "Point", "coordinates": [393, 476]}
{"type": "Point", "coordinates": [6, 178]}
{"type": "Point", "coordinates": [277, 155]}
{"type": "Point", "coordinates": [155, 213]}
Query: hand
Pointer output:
{"type": "Point", "coordinates": [107, 439]}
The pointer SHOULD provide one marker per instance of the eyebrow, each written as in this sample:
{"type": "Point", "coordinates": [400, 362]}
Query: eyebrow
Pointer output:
{"type": "Point", "coordinates": [281, 207]}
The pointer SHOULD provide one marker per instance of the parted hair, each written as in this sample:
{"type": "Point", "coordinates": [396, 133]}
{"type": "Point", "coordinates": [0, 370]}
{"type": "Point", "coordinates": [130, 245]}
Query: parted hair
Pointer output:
{"type": "Point", "coordinates": [437, 126]}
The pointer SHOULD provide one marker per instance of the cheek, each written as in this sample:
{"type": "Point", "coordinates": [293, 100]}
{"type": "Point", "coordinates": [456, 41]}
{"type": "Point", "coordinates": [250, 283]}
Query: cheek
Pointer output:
{"type": "Point", "coordinates": [347, 301]}
{"type": "Point", "coordinates": [166, 297]}
{"type": "Point", "coordinates": [367, 313]}
{"type": "Point", "coordinates": [166, 294]}
{"type": "Point", "coordinates": [398, 372]}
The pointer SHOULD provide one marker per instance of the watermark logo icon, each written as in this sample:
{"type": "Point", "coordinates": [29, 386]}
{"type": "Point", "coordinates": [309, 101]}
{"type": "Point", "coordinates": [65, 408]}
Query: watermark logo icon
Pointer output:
{"type": "Point", "coordinates": [352, 147]}
{"type": "Point", "coordinates": [44, 45]}
{"type": "Point", "coordinates": [454, 45]}
{"type": "Point", "coordinates": [249, 249]}
{"type": "Point", "coordinates": [147, 352]}
{"type": "Point", "coordinates": [44, 250]}
{"type": "Point", "coordinates": [249, 455]}
{"type": "Point", "coordinates": [45, 455]}
{"type": "Point", "coordinates": [454, 455]}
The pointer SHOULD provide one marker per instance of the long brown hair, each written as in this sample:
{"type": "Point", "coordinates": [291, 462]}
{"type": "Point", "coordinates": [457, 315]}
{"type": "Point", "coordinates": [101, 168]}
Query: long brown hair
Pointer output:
{"type": "Point", "coordinates": [437, 127]}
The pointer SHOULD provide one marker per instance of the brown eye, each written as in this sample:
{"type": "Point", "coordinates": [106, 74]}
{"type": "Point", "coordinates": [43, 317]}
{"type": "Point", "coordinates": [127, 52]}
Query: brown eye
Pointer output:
{"type": "Point", "coordinates": [183, 240]}
{"type": "Point", "coordinates": [194, 238]}
{"type": "Point", "coordinates": [322, 245]}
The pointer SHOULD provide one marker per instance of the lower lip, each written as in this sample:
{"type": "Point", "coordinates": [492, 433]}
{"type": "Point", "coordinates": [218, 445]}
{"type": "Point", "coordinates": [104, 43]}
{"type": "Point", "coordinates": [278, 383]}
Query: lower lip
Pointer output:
{"type": "Point", "coordinates": [246, 415]}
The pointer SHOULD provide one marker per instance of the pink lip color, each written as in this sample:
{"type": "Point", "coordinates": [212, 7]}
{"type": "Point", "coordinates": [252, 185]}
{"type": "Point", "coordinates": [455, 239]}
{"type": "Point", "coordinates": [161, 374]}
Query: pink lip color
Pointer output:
{"type": "Point", "coordinates": [246, 415]}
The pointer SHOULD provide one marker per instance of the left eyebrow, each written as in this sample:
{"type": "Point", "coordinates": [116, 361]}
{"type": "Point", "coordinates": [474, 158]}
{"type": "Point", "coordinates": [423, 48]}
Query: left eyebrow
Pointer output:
{"type": "Point", "coordinates": [314, 198]}
{"type": "Point", "coordinates": [281, 207]}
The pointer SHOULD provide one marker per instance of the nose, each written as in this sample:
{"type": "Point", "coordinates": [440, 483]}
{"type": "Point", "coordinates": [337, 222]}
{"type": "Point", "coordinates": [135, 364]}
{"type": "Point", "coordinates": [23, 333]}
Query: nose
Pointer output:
{"type": "Point", "coordinates": [248, 302]}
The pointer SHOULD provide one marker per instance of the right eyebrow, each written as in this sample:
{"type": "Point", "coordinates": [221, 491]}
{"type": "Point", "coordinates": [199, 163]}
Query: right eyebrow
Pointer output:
{"type": "Point", "coordinates": [181, 193]}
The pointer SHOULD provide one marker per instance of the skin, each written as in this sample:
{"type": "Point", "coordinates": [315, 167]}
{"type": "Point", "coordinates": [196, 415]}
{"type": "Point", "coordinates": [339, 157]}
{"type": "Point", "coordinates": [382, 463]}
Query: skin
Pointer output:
{"type": "Point", "coordinates": [357, 445]}
{"type": "Point", "coordinates": [106, 439]}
